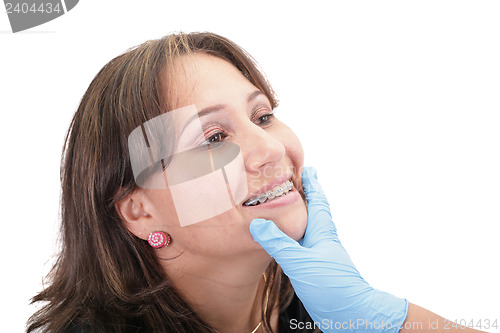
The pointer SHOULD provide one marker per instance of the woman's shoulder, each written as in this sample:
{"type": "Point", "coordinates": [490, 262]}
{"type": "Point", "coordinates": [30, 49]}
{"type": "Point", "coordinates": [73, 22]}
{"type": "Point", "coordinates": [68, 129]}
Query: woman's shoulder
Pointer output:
{"type": "Point", "coordinates": [295, 319]}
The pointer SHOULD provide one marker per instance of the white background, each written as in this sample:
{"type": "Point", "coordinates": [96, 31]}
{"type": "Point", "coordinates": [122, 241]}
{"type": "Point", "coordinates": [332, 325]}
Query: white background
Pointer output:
{"type": "Point", "coordinates": [397, 104]}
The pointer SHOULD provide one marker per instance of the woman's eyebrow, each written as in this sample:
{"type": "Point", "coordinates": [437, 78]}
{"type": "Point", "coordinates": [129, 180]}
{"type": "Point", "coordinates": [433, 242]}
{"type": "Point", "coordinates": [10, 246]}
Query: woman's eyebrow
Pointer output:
{"type": "Point", "coordinates": [203, 112]}
{"type": "Point", "coordinates": [253, 95]}
{"type": "Point", "coordinates": [218, 107]}
{"type": "Point", "coordinates": [207, 110]}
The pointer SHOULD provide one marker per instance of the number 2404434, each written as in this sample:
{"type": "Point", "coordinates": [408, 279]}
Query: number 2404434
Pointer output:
{"type": "Point", "coordinates": [472, 323]}
{"type": "Point", "coordinates": [25, 8]}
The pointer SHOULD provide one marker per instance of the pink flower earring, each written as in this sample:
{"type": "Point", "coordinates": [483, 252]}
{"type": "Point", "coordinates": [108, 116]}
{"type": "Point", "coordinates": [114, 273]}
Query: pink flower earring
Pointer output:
{"type": "Point", "coordinates": [159, 239]}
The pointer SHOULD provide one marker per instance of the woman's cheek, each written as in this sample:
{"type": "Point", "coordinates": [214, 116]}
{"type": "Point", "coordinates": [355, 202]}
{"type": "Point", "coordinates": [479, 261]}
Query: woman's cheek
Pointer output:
{"type": "Point", "coordinates": [296, 225]}
{"type": "Point", "coordinates": [293, 147]}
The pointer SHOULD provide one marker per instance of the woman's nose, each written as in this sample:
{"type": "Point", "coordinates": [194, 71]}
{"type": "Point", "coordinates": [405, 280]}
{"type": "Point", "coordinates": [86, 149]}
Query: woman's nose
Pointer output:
{"type": "Point", "coordinates": [260, 149]}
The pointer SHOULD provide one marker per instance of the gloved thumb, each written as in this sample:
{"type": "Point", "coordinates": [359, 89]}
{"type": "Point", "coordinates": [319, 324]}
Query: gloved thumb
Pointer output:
{"type": "Point", "coordinates": [271, 238]}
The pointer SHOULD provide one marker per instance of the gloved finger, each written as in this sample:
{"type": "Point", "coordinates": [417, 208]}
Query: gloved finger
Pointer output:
{"type": "Point", "coordinates": [320, 225]}
{"type": "Point", "coordinates": [272, 239]}
{"type": "Point", "coordinates": [316, 199]}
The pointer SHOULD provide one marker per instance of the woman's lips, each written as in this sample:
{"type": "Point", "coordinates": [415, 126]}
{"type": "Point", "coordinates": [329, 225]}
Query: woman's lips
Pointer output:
{"type": "Point", "coordinates": [284, 200]}
{"type": "Point", "coordinates": [277, 191]}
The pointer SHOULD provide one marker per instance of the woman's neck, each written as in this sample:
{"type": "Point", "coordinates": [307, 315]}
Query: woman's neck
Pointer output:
{"type": "Point", "coordinates": [226, 293]}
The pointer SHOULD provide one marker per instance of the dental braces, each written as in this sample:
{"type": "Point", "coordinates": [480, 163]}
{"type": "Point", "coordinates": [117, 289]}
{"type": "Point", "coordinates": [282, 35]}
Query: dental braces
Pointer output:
{"type": "Point", "coordinates": [277, 192]}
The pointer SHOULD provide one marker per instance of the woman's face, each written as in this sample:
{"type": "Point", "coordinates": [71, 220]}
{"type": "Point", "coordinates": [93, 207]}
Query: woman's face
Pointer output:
{"type": "Point", "coordinates": [272, 154]}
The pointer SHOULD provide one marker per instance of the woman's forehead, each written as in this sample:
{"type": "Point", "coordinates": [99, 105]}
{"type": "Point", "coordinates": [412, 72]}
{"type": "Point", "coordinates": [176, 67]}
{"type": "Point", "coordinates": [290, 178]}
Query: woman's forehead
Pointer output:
{"type": "Point", "coordinates": [200, 76]}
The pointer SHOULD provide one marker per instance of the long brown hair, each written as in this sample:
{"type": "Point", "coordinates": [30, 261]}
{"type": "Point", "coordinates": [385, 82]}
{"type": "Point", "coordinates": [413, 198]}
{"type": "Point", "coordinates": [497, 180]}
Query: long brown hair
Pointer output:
{"type": "Point", "coordinates": [105, 277]}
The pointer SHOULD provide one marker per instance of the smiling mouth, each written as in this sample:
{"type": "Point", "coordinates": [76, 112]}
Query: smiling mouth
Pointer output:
{"type": "Point", "coordinates": [276, 192]}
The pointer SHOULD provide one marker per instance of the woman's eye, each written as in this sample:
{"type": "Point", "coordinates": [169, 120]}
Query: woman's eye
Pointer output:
{"type": "Point", "coordinates": [265, 119]}
{"type": "Point", "coordinates": [217, 137]}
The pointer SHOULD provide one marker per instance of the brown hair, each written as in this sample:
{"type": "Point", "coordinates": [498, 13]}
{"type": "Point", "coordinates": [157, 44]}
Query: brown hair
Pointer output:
{"type": "Point", "coordinates": [105, 277]}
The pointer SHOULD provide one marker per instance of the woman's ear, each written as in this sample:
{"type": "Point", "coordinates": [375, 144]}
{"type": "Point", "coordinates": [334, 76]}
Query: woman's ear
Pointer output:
{"type": "Point", "coordinates": [134, 215]}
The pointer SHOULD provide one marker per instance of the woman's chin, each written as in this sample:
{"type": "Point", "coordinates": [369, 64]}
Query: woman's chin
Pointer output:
{"type": "Point", "coordinates": [292, 219]}
{"type": "Point", "coordinates": [295, 228]}
{"type": "Point", "coordinates": [293, 222]}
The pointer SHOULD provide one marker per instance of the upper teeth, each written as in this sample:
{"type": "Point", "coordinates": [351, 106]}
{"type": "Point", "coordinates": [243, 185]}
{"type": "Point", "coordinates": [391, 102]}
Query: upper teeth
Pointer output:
{"type": "Point", "coordinates": [276, 192]}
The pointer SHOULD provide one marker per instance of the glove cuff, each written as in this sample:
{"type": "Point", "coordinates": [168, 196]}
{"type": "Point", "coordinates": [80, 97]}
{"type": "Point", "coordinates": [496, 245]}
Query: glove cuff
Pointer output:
{"type": "Point", "coordinates": [379, 312]}
{"type": "Point", "coordinates": [388, 313]}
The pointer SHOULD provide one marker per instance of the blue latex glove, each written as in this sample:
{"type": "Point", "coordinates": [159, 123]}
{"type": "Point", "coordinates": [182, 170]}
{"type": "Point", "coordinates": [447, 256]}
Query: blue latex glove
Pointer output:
{"type": "Point", "coordinates": [323, 276]}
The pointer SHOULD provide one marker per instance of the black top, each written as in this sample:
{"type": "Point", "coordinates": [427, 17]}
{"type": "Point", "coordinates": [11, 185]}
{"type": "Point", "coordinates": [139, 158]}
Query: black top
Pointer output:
{"type": "Point", "coordinates": [294, 319]}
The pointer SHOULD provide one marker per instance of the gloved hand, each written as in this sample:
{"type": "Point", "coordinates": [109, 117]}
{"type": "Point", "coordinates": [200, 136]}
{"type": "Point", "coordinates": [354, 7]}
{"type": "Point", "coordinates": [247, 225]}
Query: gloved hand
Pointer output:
{"type": "Point", "coordinates": [322, 274]}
